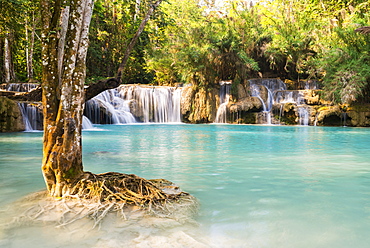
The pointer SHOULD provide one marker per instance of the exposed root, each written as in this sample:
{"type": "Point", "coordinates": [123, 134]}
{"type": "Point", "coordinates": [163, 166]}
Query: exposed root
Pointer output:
{"type": "Point", "coordinates": [125, 188]}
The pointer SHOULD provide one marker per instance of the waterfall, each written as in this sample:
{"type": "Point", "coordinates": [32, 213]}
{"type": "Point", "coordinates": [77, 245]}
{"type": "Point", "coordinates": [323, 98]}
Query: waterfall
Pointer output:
{"type": "Point", "coordinates": [132, 103]}
{"type": "Point", "coordinates": [308, 85]}
{"type": "Point", "coordinates": [292, 96]}
{"type": "Point", "coordinates": [108, 108]}
{"type": "Point", "coordinates": [32, 116]}
{"type": "Point", "coordinates": [273, 92]}
{"type": "Point", "coordinates": [31, 112]}
{"type": "Point", "coordinates": [304, 115]}
{"type": "Point", "coordinates": [19, 87]}
{"type": "Point", "coordinates": [266, 115]}
{"type": "Point", "coordinates": [156, 104]}
{"type": "Point", "coordinates": [296, 97]}
{"type": "Point", "coordinates": [221, 116]}
{"type": "Point", "coordinates": [270, 86]}
{"type": "Point", "coordinates": [86, 123]}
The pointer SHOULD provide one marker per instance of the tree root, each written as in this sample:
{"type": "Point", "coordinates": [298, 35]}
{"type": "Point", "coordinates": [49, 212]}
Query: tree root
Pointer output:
{"type": "Point", "coordinates": [128, 189]}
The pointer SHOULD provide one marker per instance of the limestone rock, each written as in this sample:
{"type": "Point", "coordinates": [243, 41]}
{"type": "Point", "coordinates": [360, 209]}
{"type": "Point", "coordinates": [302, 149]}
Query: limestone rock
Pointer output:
{"type": "Point", "coordinates": [358, 116]}
{"type": "Point", "coordinates": [245, 110]}
{"type": "Point", "coordinates": [247, 104]}
{"type": "Point", "coordinates": [329, 116]}
{"type": "Point", "coordinates": [243, 90]}
{"type": "Point", "coordinates": [311, 97]}
{"type": "Point", "coordinates": [199, 105]}
{"type": "Point", "coordinates": [187, 95]}
{"type": "Point", "coordinates": [10, 116]}
{"type": "Point", "coordinates": [358, 119]}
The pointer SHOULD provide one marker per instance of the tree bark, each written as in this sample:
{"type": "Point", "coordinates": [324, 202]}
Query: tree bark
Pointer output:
{"type": "Point", "coordinates": [30, 40]}
{"type": "Point", "coordinates": [63, 91]}
{"type": "Point", "coordinates": [363, 30]}
{"type": "Point", "coordinates": [8, 60]}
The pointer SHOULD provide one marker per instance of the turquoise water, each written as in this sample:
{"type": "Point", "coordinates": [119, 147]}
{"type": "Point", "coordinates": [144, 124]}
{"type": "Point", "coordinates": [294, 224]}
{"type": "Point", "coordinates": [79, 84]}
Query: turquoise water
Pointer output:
{"type": "Point", "coordinates": [258, 186]}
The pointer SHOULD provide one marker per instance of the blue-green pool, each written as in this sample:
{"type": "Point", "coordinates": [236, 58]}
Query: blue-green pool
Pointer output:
{"type": "Point", "coordinates": [258, 186]}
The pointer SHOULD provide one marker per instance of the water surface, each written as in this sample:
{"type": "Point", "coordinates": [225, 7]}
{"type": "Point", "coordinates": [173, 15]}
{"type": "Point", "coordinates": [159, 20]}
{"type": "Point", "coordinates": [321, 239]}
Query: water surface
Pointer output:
{"type": "Point", "coordinates": [258, 186]}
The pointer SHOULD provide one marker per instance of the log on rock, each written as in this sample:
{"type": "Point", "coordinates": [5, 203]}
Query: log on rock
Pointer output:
{"type": "Point", "coordinates": [96, 88]}
{"type": "Point", "coordinates": [35, 94]}
{"type": "Point", "coordinates": [363, 30]}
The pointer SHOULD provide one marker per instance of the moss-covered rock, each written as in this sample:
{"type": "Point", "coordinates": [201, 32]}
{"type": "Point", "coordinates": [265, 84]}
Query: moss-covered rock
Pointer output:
{"type": "Point", "coordinates": [358, 115]}
{"type": "Point", "coordinates": [289, 114]}
{"type": "Point", "coordinates": [10, 116]}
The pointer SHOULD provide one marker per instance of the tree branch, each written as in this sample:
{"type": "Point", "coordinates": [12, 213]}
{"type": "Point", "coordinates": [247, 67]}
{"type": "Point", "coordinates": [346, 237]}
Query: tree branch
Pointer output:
{"type": "Point", "coordinates": [363, 30]}
{"type": "Point", "coordinates": [135, 38]}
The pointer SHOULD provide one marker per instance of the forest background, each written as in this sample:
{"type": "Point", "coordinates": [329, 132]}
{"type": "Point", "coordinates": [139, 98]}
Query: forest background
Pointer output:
{"type": "Point", "coordinates": [202, 43]}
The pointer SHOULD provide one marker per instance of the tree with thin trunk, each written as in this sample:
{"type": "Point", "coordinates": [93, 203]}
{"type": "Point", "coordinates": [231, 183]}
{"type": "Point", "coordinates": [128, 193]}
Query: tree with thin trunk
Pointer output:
{"type": "Point", "coordinates": [134, 39]}
{"type": "Point", "coordinates": [9, 73]}
{"type": "Point", "coordinates": [64, 48]}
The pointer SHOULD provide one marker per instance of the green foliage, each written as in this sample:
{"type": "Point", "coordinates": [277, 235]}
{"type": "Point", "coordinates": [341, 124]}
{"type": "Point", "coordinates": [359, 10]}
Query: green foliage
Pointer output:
{"type": "Point", "coordinates": [345, 64]}
{"type": "Point", "coordinates": [347, 72]}
{"type": "Point", "coordinates": [294, 28]}
{"type": "Point", "coordinates": [202, 47]}
{"type": "Point", "coordinates": [16, 18]}
{"type": "Point", "coordinates": [189, 42]}
{"type": "Point", "coordinates": [10, 15]}
{"type": "Point", "coordinates": [113, 24]}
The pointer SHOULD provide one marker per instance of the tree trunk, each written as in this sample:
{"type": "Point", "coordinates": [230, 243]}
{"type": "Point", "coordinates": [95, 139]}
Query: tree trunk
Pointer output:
{"type": "Point", "coordinates": [8, 60]}
{"type": "Point", "coordinates": [63, 90]}
{"type": "Point", "coordinates": [29, 47]}
{"type": "Point", "coordinates": [62, 99]}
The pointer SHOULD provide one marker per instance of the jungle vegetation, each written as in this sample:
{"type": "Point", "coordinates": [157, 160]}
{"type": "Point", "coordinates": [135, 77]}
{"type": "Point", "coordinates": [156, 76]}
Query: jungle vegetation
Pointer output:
{"type": "Point", "coordinates": [201, 43]}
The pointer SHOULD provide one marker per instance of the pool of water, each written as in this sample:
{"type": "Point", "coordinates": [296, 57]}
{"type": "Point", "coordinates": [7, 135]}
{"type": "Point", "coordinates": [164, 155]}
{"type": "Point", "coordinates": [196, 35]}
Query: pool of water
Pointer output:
{"type": "Point", "coordinates": [258, 186]}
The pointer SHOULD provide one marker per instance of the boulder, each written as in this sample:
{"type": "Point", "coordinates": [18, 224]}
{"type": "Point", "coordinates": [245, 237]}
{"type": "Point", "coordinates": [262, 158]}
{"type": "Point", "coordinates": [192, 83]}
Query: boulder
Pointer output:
{"type": "Point", "coordinates": [10, 116]}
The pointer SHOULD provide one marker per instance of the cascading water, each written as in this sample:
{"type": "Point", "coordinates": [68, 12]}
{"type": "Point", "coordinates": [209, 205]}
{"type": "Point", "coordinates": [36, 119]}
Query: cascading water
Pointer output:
{"type": "Point", "coordinates": [308, 85]}
{"type": "Point", "coordinates": [31, 112]}
{"type": "Point", "coordinates": [271, 85]}
{"type": "Point", "coordinates": [274, 92]}
{"type": "Point", "coordinates": [221, 116]}
{"type": "Point", "coordinates": [86, 123]}
{"type": "Point", "coordinates": [303, 116]}
{"type": "Point", "coordinates": [32, 116]}
{"type": "Point", "coordinates": [154, 104]}
{"type": "Point", "coordinates": [108, 108]}
{"type": "Point", "coordinates": [132, 103]}
{"type": "Point", "coordinates": [19, 87]}
{"type": "Point", "coordinates": [296, 97]}
{"type": "Point", "coordinates": [255, 91]}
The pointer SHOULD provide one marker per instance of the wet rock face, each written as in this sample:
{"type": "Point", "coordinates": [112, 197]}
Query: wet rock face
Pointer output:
{"type": "Point", "coordinates": [187, 97]}
{"type": "Point", "coordinates": [199, 105]}
{"type": "Point", "coordinates": [10, 116]}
